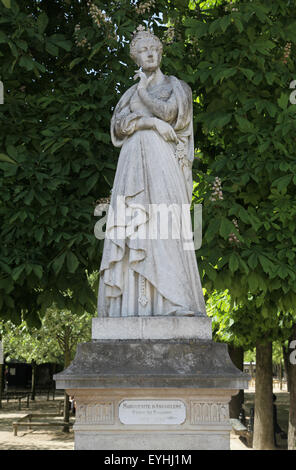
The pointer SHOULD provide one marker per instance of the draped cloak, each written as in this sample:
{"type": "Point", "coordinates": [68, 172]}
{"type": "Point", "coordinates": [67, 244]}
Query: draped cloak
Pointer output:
{"type": "Point", "coordinates": [151, 274]}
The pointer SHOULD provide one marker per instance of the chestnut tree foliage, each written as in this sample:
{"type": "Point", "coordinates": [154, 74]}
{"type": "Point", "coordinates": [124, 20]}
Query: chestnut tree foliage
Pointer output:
{"type": "Point", "coordinates": [244, 69]}
{"type": "Point", "coordinates": [55, 341]}
{"type": "Point", "coordinates": [64, 65]}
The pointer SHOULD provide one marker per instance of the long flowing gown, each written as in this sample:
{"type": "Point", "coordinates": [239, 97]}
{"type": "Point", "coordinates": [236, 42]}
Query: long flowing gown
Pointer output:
{"type": "Point", "coordinates": [142, 272]}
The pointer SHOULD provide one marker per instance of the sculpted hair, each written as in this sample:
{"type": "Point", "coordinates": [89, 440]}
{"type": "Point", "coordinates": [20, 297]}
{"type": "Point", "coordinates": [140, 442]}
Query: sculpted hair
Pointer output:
{"type": "Point", "coordinates": [143, 35]}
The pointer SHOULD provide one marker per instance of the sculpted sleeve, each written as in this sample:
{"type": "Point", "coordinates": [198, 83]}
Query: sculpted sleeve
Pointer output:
{"type": "Point", "coordinates": [123, 122]}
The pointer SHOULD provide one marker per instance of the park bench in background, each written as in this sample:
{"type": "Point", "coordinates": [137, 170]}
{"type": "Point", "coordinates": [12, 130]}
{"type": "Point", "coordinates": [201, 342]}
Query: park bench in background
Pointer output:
{"type": "Point", "coordinates": [240, 429]}
{"type": "Point", "coordinates": [17, 396]}
{"type": "Point", "coordinates": [45, 390]}
{"type": "Point", "coordinates": [28, 421]}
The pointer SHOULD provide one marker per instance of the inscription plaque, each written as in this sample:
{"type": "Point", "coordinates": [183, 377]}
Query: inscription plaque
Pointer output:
{"type": "Point", "coordinates": [152, 412]}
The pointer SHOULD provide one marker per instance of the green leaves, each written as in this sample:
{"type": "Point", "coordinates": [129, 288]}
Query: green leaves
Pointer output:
{"type": "Point", "coordinates": [226, 228]}
{"type": "Point", "coordinates": [195, 27]}
{"type": "Point", "coordinates": [266, 264]}
{"type": "Point", "coordinates": [6, 158]}
{"type": "Point", "coordinates": [215, 120]}
{"type": "Point", "coordinates": [56, 158]}
{"type": "Point", "coordinates": [244, 124]}
{"type": "Point", "coordinates": [75, 62]}
{"type": "Point", "coordinates": [223, 73]}
{"type": "Point", "coordinates": [247, 73]}
{"type": "Point", "coordinates": [27, 62]}
{"type": "Point", "coordinates": [225, 22]}
{"type": "Point", "coordinates": [58, 263]}
{"type": "Point", "coordinates": [239, 25]}
{"type": "Point", "coordinates": [6, 3]}
{"type": "Point", "coordinates": [47, 340]}
{"type": "Point", "coordinates": [253, 260]}
{"type": "Point", "coordinates": [17, 272]}
{"type": "Point", "coordinates": [42, 22]}
{"type": "Point", "coordinates": [72, 262]}
{"type": "Point", "coordinates": [3, 37]}
{"type": "Point", "coordinates": [246, 137]}
{"type": "Point", "coordinates": [60, 41]}
{"type": "Point", "coordinates": [282, 182]}
{"type": "Point", "coordinates": [264, 46]}
{"type": "Point", "coordinates": [38, 270]}
{"type": "Point", "coordinates": [212, 229]}
{"type": "Point", "coordinates": [51, 48]}
{"type": "Point", "coordinates": [95, 50]}
{"type": "Point", "coordinates": [283, 100]}
{"type": "Point", "coordinates": [233, 262]}
{"type": "Point", "coordinates": [261, 11]}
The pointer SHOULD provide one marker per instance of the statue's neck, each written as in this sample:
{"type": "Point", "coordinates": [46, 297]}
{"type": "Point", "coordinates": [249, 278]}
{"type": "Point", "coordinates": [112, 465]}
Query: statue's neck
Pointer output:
{"type": "Point", "coordinates": [158, 77]}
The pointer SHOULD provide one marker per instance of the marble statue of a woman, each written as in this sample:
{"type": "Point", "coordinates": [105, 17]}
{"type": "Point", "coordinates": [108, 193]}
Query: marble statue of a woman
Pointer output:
{"type": "Point", "coordinates": [152, 123]}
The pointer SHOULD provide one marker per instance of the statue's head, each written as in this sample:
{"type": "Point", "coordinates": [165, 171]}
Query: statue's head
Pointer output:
{"type": "Point", "coordinates": [146, 50]}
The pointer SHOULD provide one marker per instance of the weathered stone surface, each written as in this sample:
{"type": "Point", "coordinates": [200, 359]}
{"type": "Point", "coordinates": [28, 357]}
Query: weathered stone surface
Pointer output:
{"type": "Point", "coordinates": [210, 439]}
{"type": "Point", "coordinates": [152, 363]}
{"type": "Point", "coordinates": [198, 327]}
{"type": "Point", "coordinates": [107, 373]}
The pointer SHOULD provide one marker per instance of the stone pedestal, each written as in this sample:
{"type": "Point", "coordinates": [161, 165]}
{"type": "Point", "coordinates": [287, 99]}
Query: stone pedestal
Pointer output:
{"type": "Point", "coordinates": [128, 328]}
{"type": "Point", "coordinates": [152, 383]}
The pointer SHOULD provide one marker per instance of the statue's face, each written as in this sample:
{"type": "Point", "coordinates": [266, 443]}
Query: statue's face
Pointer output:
{"type": "Point", "coordinates": [148, 55]}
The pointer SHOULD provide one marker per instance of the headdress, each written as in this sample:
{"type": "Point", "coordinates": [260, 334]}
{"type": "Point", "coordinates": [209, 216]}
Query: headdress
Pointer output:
{"type": "Point", "coordinates": [142, 33]}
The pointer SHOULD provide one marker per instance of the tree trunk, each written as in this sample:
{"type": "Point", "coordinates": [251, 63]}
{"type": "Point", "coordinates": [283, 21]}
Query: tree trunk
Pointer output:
{"type": "Point", "coordinates": [263, 438]}
{"type": "Point", "coordinates": [237, 357]}
{"type": "Point", "coordinates": [33, 386]}
{"type": "Point", "coordinates": [292, 409]}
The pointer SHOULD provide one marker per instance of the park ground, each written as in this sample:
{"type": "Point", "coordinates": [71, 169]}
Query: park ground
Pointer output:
{"type": "Point", "coordinates": [55, 439]}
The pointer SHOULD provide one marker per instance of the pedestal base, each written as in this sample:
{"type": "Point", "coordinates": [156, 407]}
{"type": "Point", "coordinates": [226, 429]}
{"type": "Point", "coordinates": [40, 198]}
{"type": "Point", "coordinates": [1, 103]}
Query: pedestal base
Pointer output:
{"type": "Point", "coordinates": [169, 394]}
{"type": "Point", "coordinates": [174, 419]}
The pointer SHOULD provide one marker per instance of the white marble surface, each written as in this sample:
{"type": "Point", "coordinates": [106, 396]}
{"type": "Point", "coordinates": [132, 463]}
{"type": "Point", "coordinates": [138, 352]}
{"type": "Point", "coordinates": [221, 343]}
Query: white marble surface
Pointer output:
{"type": "Point", "coordinates": [152, 328]}
{"type": "Point", "coordinates": [208, 439]}
{"type": "Point", "coordinates": [144, 272]}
